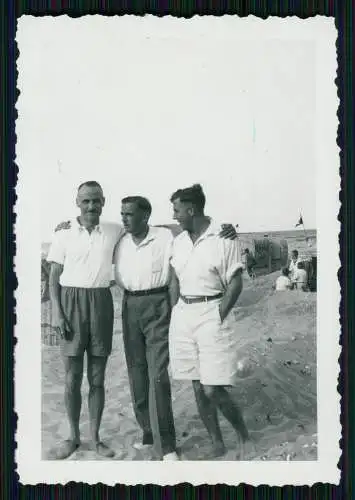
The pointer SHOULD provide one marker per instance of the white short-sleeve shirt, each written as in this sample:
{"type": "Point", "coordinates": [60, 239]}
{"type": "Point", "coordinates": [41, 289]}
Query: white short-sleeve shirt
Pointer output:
{"type": "Point", "coordinates": [86, 257]}
{"type": "Point", "coordinates": [147, 265]}
{"type": "Point", "coordinates": [283, 283]}
{"type": "Point", "coordinates": [300, 276]}
{"type": "Point", "coordinates": [206, 266]}
{"type": "Point", "coordinates": [293, 267]}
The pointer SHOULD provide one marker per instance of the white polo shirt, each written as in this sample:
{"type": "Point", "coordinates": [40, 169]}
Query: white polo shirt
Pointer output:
{"type": "Point", "coordinates": [283, 283]}
{"type": "Point", "coordinates": [206, 266]}
{"type": "Point", "coordinates": [300, 277]}
{"type": "Point", "coordinates": [86, 257]}
{"type": "Point", "coordinates": [293, 267]}
{"type": "Point", "coordinates": [146, 265]}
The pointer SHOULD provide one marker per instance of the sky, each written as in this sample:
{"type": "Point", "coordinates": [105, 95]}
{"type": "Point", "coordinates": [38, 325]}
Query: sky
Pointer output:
{"type": "Point", "coordinates": [147, 111]}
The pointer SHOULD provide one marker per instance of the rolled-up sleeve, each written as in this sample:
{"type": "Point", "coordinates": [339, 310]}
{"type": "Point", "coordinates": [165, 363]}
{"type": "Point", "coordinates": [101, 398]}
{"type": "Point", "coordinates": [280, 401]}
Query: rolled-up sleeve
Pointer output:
{"type": "Point", "coordinates": [57, 249]}
{"type": "Point", "coordinates": [231, 260]}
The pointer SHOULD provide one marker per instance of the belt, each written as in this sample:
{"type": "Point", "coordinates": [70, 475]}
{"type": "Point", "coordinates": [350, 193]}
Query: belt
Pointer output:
{"type": "Point", "coordinates": [142, 293]}
{"type": "Point", "coordinates": [195, 300]}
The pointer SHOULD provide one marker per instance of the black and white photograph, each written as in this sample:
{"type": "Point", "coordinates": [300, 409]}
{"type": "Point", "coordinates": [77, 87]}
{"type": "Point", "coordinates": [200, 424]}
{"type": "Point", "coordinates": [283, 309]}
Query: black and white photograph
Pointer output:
{"type": "Point", "coordinates": [177, 250]}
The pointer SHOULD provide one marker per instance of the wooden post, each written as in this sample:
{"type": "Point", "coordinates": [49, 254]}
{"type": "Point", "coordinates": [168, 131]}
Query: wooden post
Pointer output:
{"type": "Point", "coordinates": [270, 256]}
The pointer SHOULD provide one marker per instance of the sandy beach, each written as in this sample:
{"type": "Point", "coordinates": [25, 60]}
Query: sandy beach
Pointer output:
{"type": "Point", "coordinates": [277, 334]}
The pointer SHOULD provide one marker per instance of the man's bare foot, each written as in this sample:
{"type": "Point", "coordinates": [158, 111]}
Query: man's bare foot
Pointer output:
{"type": "Point", "coordinates": [64, 450]}
{"type": "Point", "coordinates": [218, 449]}
{"type": "Point", "coordinates": [171, 457]}
{"type": "Point", "coordinates": [103, 450]}
{"type": "Point", "coordinates": [142, 446]}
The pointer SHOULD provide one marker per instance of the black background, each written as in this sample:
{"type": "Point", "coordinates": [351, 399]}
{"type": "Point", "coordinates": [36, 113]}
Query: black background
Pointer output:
{"type": "Point", "coordinates": [343, 12]}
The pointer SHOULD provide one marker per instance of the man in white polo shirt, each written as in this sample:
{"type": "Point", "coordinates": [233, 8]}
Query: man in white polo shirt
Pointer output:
{"type": "Point", "coordinates": [82, 310]}
{"type": "Point", "coordinates": [203, 336]}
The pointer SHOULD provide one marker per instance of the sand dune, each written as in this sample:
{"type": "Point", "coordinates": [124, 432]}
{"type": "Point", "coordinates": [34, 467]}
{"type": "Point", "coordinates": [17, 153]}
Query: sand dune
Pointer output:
{"type": "Point", "coordinates": [277, 334]}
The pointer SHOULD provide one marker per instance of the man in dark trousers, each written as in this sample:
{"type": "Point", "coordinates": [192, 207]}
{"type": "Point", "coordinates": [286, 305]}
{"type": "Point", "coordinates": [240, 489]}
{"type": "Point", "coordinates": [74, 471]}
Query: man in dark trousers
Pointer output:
{"type": "Point", "coordinates": [142, 270]}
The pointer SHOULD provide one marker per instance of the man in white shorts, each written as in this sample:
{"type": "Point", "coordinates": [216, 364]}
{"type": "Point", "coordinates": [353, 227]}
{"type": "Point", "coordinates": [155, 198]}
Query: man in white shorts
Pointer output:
{"type": "Point", "coordinates": [202, 336]}
{"type": "Point", "coordinates": [299, 280]}
{"type": "Point", "coordinates": [283, 282]}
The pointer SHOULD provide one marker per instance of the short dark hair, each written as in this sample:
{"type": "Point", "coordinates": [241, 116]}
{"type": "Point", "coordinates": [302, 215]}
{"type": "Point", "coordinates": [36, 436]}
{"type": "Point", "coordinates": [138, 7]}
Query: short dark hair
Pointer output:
{"type": "Point", "coordinates": [285, 271]}
{"type": "Point", "coordinates": [301, 265]}
{"type": "Point", "coordinates": [193, 194]}
{"type": "Point", "coordinates": [141, 202]}
{"type": "Point", "coordinates": [90, 184]}
{"type": "Point", "coordinates": [295, 252]}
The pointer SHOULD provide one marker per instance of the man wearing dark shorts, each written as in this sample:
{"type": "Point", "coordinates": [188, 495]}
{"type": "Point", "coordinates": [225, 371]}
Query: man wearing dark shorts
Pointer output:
{"type": "Point", "coordinates": [81, 269]}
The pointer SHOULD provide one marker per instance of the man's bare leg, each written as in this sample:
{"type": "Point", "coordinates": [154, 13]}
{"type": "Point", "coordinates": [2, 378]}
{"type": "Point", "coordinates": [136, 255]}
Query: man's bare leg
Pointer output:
{"type": "Point", "coordinates": [209, 417]}
{"type": "Point", "coordinates": [231, 412]}
{"type": "Point", "coordinates": [96, 378]}
{"type": "Point", "coordinates": [73, 366]}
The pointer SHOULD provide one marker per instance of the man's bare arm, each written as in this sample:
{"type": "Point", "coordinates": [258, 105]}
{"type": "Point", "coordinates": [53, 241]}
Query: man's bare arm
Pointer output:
{"type": "Point", "coordinates": [58, 319]}
{"type": "Point", "coordinates": [174, 288]}
{"type": "Point", "coordinates": [231, 295]}
{"type": "Point", "coordinates": [54, 286]}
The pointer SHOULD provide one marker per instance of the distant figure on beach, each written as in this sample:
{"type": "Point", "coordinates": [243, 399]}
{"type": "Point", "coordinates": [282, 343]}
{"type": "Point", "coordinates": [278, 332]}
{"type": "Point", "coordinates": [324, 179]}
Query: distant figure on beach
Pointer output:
{"type": "Point", "coordinates": [283, 282]}
{"type": "Point", "coordinates": [300, 279]}
{"type": "Point", "coordinates": [203, 341]}
{"type": "Point", "coordinates": [249, 263]}
{"type": "Point", "coordinates": [293, 263]}
{"type": "Point", "coordinates": [82, 310]}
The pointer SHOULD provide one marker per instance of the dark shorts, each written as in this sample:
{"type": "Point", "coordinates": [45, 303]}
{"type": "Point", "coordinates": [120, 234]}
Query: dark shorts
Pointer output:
{"type": "Point", "coordinates": [89, 312]}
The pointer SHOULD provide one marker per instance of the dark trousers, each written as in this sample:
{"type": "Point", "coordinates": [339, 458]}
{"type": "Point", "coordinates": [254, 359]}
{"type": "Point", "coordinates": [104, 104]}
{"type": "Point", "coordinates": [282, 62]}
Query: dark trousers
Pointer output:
{"type": "Point", "coordinates": [145, 323]}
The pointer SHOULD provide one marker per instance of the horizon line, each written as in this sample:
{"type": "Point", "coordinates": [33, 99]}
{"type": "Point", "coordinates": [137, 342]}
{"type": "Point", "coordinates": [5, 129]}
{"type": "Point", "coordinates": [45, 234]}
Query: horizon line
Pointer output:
{"type": "Point", "coordinates": [241, 232]}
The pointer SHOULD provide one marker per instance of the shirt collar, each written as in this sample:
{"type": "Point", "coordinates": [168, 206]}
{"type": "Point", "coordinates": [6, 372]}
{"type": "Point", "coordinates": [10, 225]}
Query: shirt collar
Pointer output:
{"type": "Point", "coordinates": [151, 235]}
{"type": "Point", "coordinates": [80, 228]}
{"type": "Point", "coordinates": [213, 230]}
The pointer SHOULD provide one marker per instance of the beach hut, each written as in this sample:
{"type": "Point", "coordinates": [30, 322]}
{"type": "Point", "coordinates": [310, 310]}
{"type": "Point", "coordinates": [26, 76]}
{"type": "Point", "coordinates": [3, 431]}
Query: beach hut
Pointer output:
{"type": "Point", "coordinates": [310, 264]}
{"type": "Point", "coordinates": [312, 276]}
{"type": "Point", "coordinates": [270, 254]}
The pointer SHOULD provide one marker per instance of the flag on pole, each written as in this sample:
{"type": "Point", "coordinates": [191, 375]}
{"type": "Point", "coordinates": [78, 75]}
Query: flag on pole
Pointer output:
{"type": "Point", "coordinates": [300, 222]}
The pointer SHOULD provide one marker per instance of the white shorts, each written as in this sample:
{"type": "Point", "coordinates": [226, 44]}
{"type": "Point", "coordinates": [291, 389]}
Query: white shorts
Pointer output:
{"type": "Point", "coordinates": [201, 346]}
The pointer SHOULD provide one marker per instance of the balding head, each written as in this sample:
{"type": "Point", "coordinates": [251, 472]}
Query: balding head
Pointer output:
{"type": "Point", "coordinates": [90, 199]}
{"type": "Point", "coordinates": [90, 184]}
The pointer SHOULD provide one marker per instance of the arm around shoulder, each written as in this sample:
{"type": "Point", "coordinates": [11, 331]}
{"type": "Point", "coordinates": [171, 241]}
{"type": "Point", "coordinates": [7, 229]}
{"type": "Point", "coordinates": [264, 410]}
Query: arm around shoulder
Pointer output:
{"type": "Point", "coordinates": [54, 286]}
